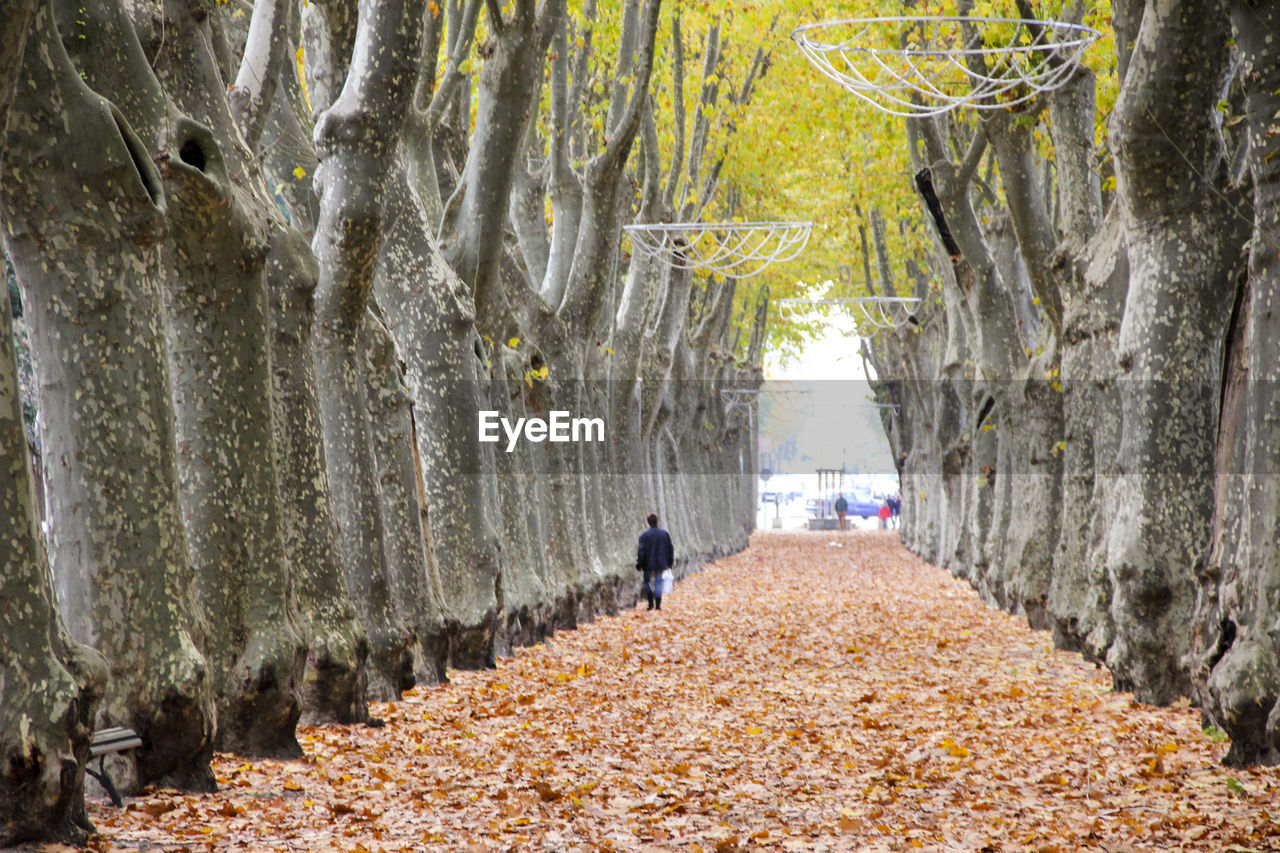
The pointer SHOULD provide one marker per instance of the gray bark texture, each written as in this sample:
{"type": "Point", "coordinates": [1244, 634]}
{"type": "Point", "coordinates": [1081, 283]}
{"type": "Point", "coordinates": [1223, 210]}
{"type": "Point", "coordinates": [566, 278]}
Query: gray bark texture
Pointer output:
{"type": "Point", "coordinates": [508, 85]}
{"type": "Point", "coordinates": [1183, 254]}
{"type": "Point", "coordinates": [412, 581]}
{"type": "Point", "coordinates": [1234, 646]}
{"type": "Point", "coordinates": [92, 289]}
{"type": "Point", "coordinates": [335, 680]}
{"type": "Point", "coordinates": [259, 375]}
{"type": "Point", "coordinates": [431, 316]}
{"type": "Point", "coordinates": [49, 684]}
{"type": "Point", "coordinates": [217, 330]}
{"type": "Point", "coordinates": [1116, 485]}
{"type": "Point", "coordinates": [356, 152]}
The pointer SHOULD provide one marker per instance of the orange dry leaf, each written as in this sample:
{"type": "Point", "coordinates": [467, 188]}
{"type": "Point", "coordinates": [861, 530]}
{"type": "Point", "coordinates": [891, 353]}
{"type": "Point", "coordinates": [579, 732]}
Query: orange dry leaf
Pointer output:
{"type": "Point", "coordinates": [792, 697]}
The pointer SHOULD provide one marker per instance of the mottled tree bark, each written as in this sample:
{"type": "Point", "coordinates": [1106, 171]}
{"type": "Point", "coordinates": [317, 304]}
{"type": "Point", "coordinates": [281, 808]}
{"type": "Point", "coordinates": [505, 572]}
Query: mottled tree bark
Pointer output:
{"type": "Point", "coordinates": [216, 318]}
{"type": "Point", "coordinates": [91, 280]}
{"type": "Point", "coordinates": [527, 585]}
{"type": "Point", "coordinates": [1182, 253]}
{"type": "Point", "coordinates": [334, 681]}
{"type": "Point", "coordinates": [216, 327]}
{"type": "Point", "coordinates": [1080, 591]}
{"type": "Point", "coordinates": [1235, 647]}
{"type": "Point", "coordinates": [429, 312]}
{"type": "Point", "coordinates": [356, 139]}
{"type": "Point", "coordinates": [413, 583]}
{"type": "Point", "coordinates": [508, 85]}
{"type": "Point", "coordinates": [49, 685]}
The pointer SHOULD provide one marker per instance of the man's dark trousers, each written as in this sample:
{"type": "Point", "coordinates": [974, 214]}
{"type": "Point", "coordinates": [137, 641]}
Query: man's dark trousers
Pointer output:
{"type": "Point", "coordinates": [650, 587]}
{"type": "Point", "coordinates": [654, 554]}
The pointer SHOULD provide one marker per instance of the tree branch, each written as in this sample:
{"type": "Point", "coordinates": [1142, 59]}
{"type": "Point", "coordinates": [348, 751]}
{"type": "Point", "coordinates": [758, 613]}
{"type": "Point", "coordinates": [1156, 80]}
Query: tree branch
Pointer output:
{"type": "Point", "coordinates": [355, 149]}
{"type": "Point", "coordinates": [621, 136]}
{"type": "Point", "coordinates": [869, 282]}
{"type": "Point", "coordinates": [260, 67]}
{"type": "Point", "coordinates": [459, 46]}
{"type": "Point", "coordinates": [882, 253]}
{"type": "Point", "coordinates": [972, 159]}
{"type": "Point", "coordinates": [931, 137]}
{"type": "Point", "coordinates": [432, 34]}
{"type": "Point", "coordinates": [625, 62]}
{"type": "Point", "coordinates": [494, 8]}
{"type": "Point", "coordinates": [580, 77]}
{"type": "Point", "coordinates": [677, 94]}
{"type": "Point", "coordinates": [651, 196]}
{"type": "Point", "coordinates": [759, 63]}
{"type": "Point", "coordinates": [702, 124]}
{"type": "Point", "coordinates": [329, 32]}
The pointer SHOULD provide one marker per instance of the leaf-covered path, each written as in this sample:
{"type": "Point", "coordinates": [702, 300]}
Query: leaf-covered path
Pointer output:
{"type": "Point", "coordinates": [816, 692]}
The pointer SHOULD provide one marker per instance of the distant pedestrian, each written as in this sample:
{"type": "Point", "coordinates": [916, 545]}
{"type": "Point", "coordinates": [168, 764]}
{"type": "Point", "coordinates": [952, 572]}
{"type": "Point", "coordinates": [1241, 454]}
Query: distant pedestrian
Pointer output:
{"type": "Point", "coordinates": [842, 509]}
{"type": "Point", "coordinates": [885, 513]}
{"type": "Point", "coordinates": [654, 555]}
{"type": "Point", "coordinates": [895, 508]}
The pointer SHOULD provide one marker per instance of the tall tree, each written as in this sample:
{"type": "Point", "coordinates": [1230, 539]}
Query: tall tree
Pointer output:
{"type": "Point", "coordinates": [1234, 650]}
{"type": "Point", "coordinates": [92, 277]}
{"type": "Point", "coordinates": [356, 155]}
{"type": "Point", "coordinates": [217, 328]}
{"type": "Point", "coordinates": [335, 681]}
{"type": "Point", "coordinates": [1184, 251]}
{"type": "Point", "coordinates": [49, 684]}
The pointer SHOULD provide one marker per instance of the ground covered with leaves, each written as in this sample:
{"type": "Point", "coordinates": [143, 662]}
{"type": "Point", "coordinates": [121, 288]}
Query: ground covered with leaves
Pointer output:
{"type": "Point", "coordinates": [816, 692]}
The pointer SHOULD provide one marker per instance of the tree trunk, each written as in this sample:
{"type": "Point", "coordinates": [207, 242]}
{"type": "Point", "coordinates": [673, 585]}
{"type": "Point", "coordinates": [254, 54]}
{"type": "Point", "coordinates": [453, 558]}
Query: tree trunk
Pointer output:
{"type": "Point", "coordinates": [527, 586]}
{"type": "Point", "coordinates": [49, 685]}
{"type": "Point", "coordinates": [507, 92]}
{"type": "Point", "coordinates": [1079, 594]}
{"type": "Point", "coordinates": [217, 334]}
{"type": "Point", "coordinates": [1182, 251]}
{"type": "Point", "coordinates": [335, 680]}
{"type": "Point", "coordinates": [1235, 643]}
{"type": "Point", "coordinates": [428, 312]}
{"type": "Point", "coordinates": [216, 320]}
{"type": "Point", "coordinates": [1037, 484]}
{"type": "Point", "coordinates": [356, 151]}
{"type": "Point", "coordinates": [412, 580]}
{"type": "Point", "coordinates": [349, 449]}
{"type": "Point", "coordinates": [91, 279]}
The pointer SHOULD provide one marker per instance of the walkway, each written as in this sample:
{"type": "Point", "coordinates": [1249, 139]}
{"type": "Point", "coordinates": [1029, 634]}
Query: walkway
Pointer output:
{"type": "Point", "coordinates": [817, 692]}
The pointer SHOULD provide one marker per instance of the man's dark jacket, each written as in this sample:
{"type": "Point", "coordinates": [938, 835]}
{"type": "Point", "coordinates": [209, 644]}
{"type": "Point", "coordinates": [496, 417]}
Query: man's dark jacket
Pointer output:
{"type": "Point", "coordinates": [656, 551]}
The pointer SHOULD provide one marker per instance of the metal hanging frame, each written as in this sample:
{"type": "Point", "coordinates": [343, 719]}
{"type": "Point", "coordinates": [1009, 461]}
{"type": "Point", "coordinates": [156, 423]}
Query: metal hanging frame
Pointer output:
{"type": "Point", "coordinates": [738, 399]}
{"type": "Point", "coordinates": [741, 400]}
{"type": "Point", "coordinates": [738, 249]}
{"type": "Point", "coordinates": [915, 66]}
{"type": "Point", "coordinates": [880, 312]}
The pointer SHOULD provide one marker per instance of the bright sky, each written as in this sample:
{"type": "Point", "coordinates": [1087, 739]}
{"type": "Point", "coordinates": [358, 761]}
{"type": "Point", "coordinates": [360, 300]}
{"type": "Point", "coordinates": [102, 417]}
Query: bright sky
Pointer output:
{"type": "Point", "coordinates": [833, 356]}
{"type": "Point", "coordinates": [822, 400]}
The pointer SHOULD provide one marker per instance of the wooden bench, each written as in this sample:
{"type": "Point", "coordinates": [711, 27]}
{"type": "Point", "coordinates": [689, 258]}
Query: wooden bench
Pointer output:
{"type": "Point", "coordinates": [108, 742]}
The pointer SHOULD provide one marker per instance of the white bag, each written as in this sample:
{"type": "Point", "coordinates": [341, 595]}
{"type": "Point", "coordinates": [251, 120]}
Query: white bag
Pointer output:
{"type": "Point", "coordinates": [666, 581]}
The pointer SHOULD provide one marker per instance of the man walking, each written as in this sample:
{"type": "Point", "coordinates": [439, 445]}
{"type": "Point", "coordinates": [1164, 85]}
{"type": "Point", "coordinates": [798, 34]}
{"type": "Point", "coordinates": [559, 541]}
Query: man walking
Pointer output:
{"type": "Point", "coordinates": [842, 509]}
{"type": "Point", "coordinates": [655, 554]}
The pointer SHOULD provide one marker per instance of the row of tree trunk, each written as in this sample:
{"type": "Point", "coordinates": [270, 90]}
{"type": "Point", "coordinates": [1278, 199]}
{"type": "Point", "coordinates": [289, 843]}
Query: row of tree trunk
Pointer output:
{"type": "Point", "coordinates": [265, 314]}
{"type": "Point", "coordinates": [1087, 404]}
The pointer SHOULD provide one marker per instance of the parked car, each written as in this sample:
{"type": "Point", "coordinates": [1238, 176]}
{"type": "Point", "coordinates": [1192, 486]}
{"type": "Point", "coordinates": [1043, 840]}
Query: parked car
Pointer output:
{"type": "Point", "coordinates": [858, 507]}
{"type": "Point", "coordinates": [864, 507]}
